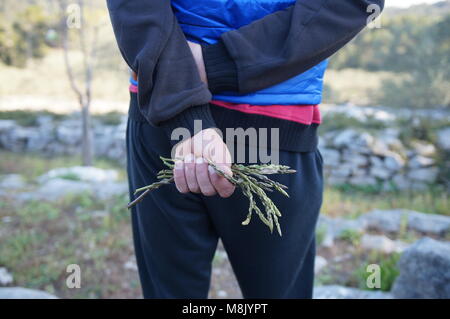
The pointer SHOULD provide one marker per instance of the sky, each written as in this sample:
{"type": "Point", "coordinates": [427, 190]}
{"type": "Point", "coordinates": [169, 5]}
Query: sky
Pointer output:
{"type": "Point", "coordinates": [407, 3]}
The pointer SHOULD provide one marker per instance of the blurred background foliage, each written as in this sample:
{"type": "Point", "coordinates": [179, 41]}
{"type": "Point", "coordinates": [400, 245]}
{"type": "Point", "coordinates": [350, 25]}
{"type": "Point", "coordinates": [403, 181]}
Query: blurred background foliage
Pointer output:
{"type": "Point", "coordinates": [404, 63]}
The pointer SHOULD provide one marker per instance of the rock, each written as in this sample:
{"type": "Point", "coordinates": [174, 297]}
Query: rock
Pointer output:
{"type": "Point", "coordinates": [425, 175]}
{"type": "Point", "coordinates": [81, 173]}
{"type": "Point", "coordinates": [341, 292]}
{"type": "Point", "coordinates": [345, 138]}
{"type": "Point", "coordinates": [443, 139]}
{"type": "Point", "coordinates": [109, 190]}
{"type": "Point", "coordinates": [423, 148]}
{"type": "Point", "coordinates": [7, 125]}
{"type": "Point", "coordinates": [382, 244]}
{"type": "Point", "coordinates": [319, 264]}
{"type": "Point", "coordinates": [363, 180]}
{"type": "Point", "coordinates": [44, 120]}
{"type": "Point", "coordinates": [394, 162]}
{"type": "Point", "coordinates": [6, 277]}
{"type": "Point", "coordinates": [40, 140]}
{"type": "Point", "coordinates": [335, 226]}
{"type": "Point", "coordinates": [55, 189]}
{"type": "Point", "coordinates": [58, 188]}
{"type": "Point", "coordinates": [322, 144]}
{"type": "Point", "coordinates": [336, 180]}
{"type": "Point", "coordinates": [391, 137]}
{"type": "Point", "coordinates": [354, 159]}
{"type": "Point", "coordinates": [424, 271]}
{"type": "Point", "coordinates": [384, 220]}
{"type": "Point", "coordinates": [24, 293]}
{"type": "Point", "coordinates": [331, 157]}
{"type": "Point", "coordinates": [392, 221]}
{"type": "Point", "coordinates": [12, 182]}
{"type": "Point", "coordinates": [401, 182]}
{"type": "Point", "coordinates": [380, 172]}
{"type": "Point", "coordinates": [16, 140]}
{"type": "Point", "coordinates": [69, 132]}
{"type": "Point", "coordinates": [364, 142]}
{"type": "Point", "coordinates": [429, 223]}
{"type": "Point", "coordinates": [376, 161]}
{"type": "Point", "coordinates": [130, 265]}
{"type": "Point", "coordinates": [379, 147]}
{"type": "Point", "coordinates": [420, 161]}
{"type": "Point", "coordinates": [344, 170]}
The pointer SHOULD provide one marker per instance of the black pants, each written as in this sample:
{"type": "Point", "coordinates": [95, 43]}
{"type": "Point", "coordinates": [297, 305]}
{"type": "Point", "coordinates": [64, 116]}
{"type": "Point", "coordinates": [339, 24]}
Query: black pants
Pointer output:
{"type": "Point", "coordinates": [175, 235]}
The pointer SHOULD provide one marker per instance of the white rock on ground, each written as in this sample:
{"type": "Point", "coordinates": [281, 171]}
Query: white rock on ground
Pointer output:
{"type": "Point", "coordinates": [389, 221]}
{"type": "Point", "coordinates": [82, 173]}
{"type": "Point", "coordinates": [24, 293]}
{"type": "Point", "coordinates": [382, 244]}
{"type": "Point", "coordinates": [424, 271]}
{"type": "Point", "coordinates": [319, 264]}
{"type": "Point", "coordinates": [6, 277]}
{"type": "Point", "coordinates": [55, 189]}
{"type": "Point", "coordinates": [336, 226]}
{"type": "Point", "coordinates": [340, 292]}
{"type": "Point", "coordinates": [392, 220]}
{"type": "Point", "coordinates": [58, 188]}
{"type": "Point", "coordinates": [12, 182]}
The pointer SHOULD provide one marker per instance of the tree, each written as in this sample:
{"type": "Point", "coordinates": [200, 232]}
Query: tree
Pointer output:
{"type": "Point", "coordinates": [73, 19]}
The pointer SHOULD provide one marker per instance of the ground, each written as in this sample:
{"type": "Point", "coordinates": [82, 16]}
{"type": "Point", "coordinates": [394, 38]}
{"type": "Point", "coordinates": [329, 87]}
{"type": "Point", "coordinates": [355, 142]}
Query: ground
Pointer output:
{"type": "Point", "coordinates": [39, 238]}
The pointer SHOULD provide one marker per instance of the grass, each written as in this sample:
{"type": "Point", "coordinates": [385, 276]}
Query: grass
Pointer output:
{"type": "Point", "coordinates": [27, 118]}
{"type": "Point", "coordinates": [52, 90]}
{"type": "Point", "coordinates": [43, 238]}
{"type": "Point", "coordinates": [351, 202]}
{"type": "Point", "coordinates": [33, 165]}
{"type": "Point", "coordinates": [351, 236]}
{"type": "Point", "coordinates": [355, 86]}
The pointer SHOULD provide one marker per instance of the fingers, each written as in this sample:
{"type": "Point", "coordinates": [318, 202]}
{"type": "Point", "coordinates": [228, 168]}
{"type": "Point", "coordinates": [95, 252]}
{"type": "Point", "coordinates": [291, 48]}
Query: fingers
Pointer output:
{"type": "Point", "coordinates": [220, 183]}
{"type": "Point", "coordinates": [190, 173]}
{"type": "Point", "coordinates": [196, 176]}
{"type": "Point", "coordinates": [201, 171]}
{"type": "Point", "coordinates": [180, 178]}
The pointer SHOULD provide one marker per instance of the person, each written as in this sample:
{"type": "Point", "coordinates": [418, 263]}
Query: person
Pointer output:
{"type": "Point", "coordinates": [229, 64]}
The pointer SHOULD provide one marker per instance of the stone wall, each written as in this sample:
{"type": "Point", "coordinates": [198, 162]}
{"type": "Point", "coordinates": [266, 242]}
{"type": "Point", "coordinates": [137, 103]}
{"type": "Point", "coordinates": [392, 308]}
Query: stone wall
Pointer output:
{"type": "Point", "coordinates": [350, 156]}
{"type": "Point", "coordinates": [360, 158]}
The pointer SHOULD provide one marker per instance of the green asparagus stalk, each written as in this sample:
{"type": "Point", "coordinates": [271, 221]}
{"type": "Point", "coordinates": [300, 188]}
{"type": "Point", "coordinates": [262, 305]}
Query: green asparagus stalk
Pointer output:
{"type": "Point", "coordinates": [251, 179]}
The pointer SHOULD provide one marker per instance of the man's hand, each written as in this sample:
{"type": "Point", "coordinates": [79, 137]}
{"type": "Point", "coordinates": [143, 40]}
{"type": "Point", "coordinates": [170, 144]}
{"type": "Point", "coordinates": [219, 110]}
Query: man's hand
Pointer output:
{"type": "Point", "coordinates": [196, 50]}
{"type": "Point", "coordinates": [193, 174]}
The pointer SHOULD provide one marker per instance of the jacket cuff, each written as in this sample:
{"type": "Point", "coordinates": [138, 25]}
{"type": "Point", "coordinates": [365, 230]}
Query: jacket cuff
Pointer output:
{"type": "Point", "coordinates": [220, 68]}
{"type": "Point", "coordinates": [186, 119]}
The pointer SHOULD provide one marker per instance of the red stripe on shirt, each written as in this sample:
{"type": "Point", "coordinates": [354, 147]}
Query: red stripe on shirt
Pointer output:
{"type": "Point", "coordinates": [304, 114]}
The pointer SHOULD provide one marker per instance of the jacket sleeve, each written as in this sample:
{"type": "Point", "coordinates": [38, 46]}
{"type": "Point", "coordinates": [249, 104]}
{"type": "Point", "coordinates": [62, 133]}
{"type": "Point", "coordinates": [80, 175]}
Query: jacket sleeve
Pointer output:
{"type": "Point", "coordinates": [152, 43]}
{"type": "Point", "coordinates": [284, 44]}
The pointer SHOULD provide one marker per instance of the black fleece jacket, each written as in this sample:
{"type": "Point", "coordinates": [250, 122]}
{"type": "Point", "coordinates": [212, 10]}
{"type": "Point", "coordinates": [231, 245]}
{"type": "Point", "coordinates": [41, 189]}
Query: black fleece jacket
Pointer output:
{"type": "Point", "coordinates": [266, 52]}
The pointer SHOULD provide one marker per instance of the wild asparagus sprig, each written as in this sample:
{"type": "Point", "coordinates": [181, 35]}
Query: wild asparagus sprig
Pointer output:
{"type": "Point", "coordinates": [251, 179]}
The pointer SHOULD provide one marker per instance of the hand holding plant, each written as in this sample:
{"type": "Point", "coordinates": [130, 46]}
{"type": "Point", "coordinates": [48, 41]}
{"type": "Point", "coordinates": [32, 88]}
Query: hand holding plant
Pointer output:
{"type": "Point", "coordinates": [251, 179]}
